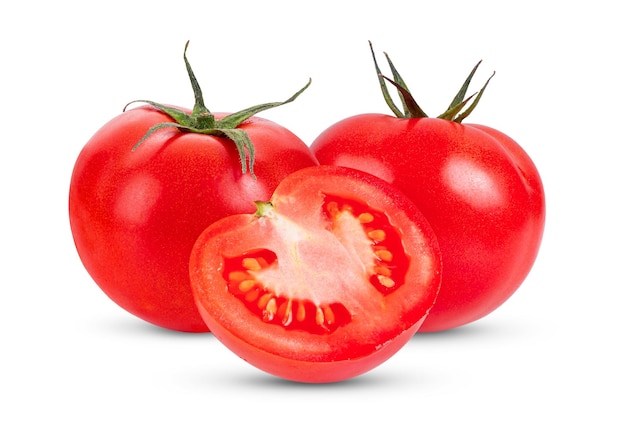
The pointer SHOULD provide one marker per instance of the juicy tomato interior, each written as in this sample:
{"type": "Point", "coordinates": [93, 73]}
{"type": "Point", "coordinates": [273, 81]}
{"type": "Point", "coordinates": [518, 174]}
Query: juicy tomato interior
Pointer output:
{"type": "Point", "coordinates": [281, 310]}
{"type": "Point", "coordinates": [327, 280]}
{"type": "Point", "coordinates": [386, 269]}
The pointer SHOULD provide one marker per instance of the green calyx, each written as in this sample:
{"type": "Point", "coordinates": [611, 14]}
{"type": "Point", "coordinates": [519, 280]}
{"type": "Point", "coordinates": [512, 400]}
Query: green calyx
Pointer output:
{"type": "Point", "coordinates": [410, 108]}
{"type": "Point", "coordinates": [202, 121]}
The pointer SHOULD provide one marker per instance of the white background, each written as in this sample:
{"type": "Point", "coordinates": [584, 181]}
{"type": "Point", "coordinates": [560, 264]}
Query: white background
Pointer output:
{"type": "Point", "coordinates": [551, 355]}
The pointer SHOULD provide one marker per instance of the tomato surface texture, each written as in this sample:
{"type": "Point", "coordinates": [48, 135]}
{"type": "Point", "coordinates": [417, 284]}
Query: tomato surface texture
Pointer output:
{"type": "Point", "coordinates": [135, 215]}
{"type": "Point", "coordinates": [479, 190]}
{"type": "Point", "coordinates": [327, 280]}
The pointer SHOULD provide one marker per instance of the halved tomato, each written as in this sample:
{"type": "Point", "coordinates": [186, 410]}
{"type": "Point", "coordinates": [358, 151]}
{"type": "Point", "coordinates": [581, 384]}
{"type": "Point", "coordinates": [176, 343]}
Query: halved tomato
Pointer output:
{"type": "Point", "coordinates": [328, 279]}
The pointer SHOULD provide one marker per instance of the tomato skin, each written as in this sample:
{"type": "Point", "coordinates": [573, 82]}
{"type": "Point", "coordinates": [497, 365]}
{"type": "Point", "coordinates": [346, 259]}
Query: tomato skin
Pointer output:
{"type": "Point", "coordinates": [380, 323]}
{"type": "Point", "coordinates": [477, 187]}
{"type": "Point", "coordinates": [135, 215]}
{"type": "Point", "coordinates": [307, 370]}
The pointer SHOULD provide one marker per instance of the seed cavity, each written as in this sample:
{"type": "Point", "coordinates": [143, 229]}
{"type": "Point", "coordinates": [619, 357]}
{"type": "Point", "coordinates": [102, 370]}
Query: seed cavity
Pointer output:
{"type": "Point", "coordinates": [386, 270]}
{"type": "Point", "coordinates": [289, 313]}
{"type": "Point", "coordinates": [388, 256]}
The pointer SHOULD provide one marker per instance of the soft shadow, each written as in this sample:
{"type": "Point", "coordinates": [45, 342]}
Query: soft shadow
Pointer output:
{"type": "Point", "coordinates": [460, 332]}
{"type": "Point", "coordinates": [264, 381]}
{"type": "Point", "coordinates": [130, 326]}
{"type": "Point", "coordinates": [254, 379]}
{"type": "Point", "coordinates": [483, 328]}
{"type": "Point", "coordinates": [267, 381]}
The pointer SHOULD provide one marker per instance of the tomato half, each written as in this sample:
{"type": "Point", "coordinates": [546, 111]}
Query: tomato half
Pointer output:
{"type": "Point", "coordinates": [327, 280]}
{"type": "Point", "coordinates": [479, 190]}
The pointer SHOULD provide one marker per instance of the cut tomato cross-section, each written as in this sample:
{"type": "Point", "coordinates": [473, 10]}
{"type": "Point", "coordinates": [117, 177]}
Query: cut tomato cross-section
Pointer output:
{"type": "Point", "coordinates": [327, 280]}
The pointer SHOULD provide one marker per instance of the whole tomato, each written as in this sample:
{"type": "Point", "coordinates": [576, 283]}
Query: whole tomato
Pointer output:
{"type": "Point", "coordinates": [136, 210]}
{"type": "Point", "coordinates": [479, 190]}
{"type": "Point", "coordinates": [327, 280]}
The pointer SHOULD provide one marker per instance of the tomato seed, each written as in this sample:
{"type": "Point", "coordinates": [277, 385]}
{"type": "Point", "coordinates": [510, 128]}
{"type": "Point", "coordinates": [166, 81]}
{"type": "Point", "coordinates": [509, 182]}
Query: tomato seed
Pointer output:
{"type": "Point", "coordinates": [377, 235]}
{"type": "Point", "coordinates": [366, 218]}
{"type": "Point", "coordinates": [329, 315]}
{"type": "Point", "coordinates": [386, 281]}
{"type": "Point", "coordinates": [264, 300]}
{"type": "Point", "coordinates": [319, 316]}
{"type": "Point", "coordinates": [270, 310]}
{"type": "Point", "coordinates": [285, 313]}
{"type": "Point", "coordinates": [251, 264]}
{"type": "Point", "coordinates": [384, 255]}
{"type": "Point", "coordinates": [237, 276]}
{"type": "Point", "coordinates": [381, 270]}
{"type": "Point", "coordinates": [332, 208]}
{"type": "Point", "coordinates": [246, 285]}
{"type": "Point", "coordinates": [300, 312]}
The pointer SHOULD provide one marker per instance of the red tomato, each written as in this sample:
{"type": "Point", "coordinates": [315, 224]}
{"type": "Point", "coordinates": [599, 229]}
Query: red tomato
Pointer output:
{"type": "Point", "coordinates": [135, 215]}
{"type": "Point", "coordinates": [479, 190]}
{"type": "Point", "coordinates": [326, 281]}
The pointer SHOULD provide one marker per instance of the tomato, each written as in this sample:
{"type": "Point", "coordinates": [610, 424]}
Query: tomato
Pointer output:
{"type": "Point", "coordinates": [327, 280]}
{"type": "Point", "coordinates": [135, 215]}
{"type": "Point", "coordinates": [479, 190]}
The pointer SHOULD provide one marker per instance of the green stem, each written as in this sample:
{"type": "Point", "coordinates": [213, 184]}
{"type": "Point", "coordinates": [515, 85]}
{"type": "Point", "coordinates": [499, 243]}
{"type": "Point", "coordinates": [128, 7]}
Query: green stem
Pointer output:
{"type": "Point", "coordinates": [411, 109]}
{"type": "Point", "coordinates": [202, 121]}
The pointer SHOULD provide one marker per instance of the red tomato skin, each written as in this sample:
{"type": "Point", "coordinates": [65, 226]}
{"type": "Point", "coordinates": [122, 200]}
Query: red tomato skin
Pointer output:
{"type": "Point", "coordinates": [135, 215]}
{"type": "Point", "coordinates": [353, 349]}
{"type": "Point", "coordinates": [480, 191]}
{"type": "Point", "coordinates": [308, 371]}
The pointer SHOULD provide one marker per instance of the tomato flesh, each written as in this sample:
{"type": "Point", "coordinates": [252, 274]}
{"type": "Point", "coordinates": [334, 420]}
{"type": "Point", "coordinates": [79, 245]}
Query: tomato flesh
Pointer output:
{"type": "Point", "coordinates": [330, 280]}
{"type": "Point", "coordinates": [387, 269]}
